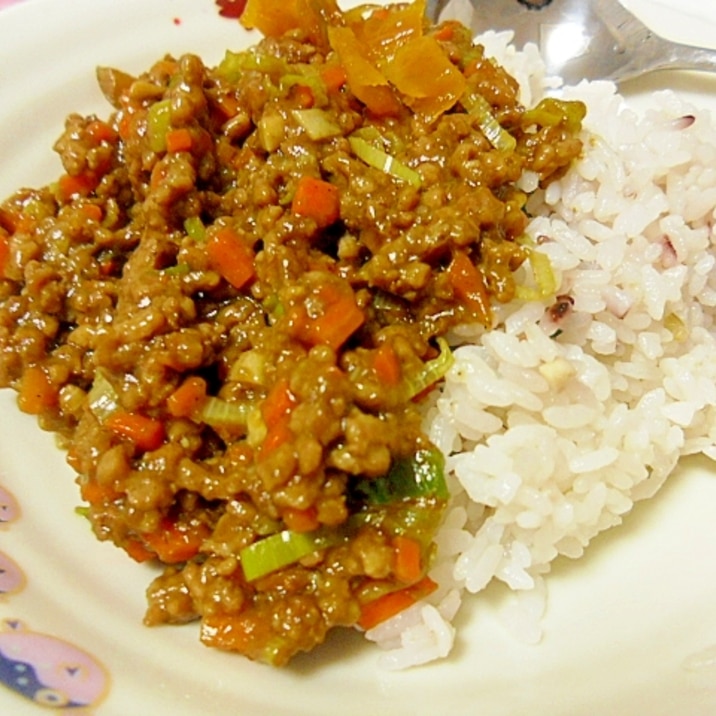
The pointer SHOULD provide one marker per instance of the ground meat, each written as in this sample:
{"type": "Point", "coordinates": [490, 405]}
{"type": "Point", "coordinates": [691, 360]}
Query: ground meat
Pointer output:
{"type": "Point", "coordinates": [229, 316]}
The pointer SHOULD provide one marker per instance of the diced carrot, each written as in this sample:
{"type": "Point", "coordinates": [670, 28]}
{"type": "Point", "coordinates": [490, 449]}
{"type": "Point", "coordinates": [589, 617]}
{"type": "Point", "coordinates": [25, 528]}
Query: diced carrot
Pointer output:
{"type": "Point", "coordinates": [334, 78]}
{"type": "Point", "coordinates": [301, 520]}
{"type": "Point", "coordinates": [145, 432]}
{"type": "Point", "coordinates": [279, 402]}
{"type": "Point", "coordinates": [276, 412]}
{"type": "Point", "coordinates": [4, 254]}
{"type": "Point", "coordinates": [387, 365]}
{"type": "Point", "coordinates": [158, 176]}
{"type": "Point", "coordinates": [177, 541]}
{"type": "Point", "coordinates": [387, 606]}
{"type": "Point", "coordinates": [303, 96]}
{"type": "Point", "coordinates": [179, 140]}
{"type": "Point", "coordinates": [278, 434]}
{"type": "Point", "coordinates": [137, 551]}
{"type": "Point", "coordinates": [92, 211]}
{"type": "Point", "coordinates": [340, 318]}
{"type": "Point", "coordinates": [317, 199]}
{"type": "Point", "coordinates": [101, 131]}
{"type": "Point", "coordinates": [125, 125]}
{"type": "Point", "coordinates": [248, 633]}
{"type": "Point", "coordinates": [445, 33]}
{"type": "Point", "coordinates": [80, 185]}
{"type": "Point", "coordinates": [468, 282]}
{"type": "Point", "coordinates": [408, 559]}
{"type": "Point", "coordinates": [227, 104]}
{"type": "Point", "coordinates": [36, 393]}
{"type": "Point", "coordinates": [95, 494]}
{"type": "Point", "coordinates": [231, 256]}
{"type": "Point", "coordinates": [187, 398]}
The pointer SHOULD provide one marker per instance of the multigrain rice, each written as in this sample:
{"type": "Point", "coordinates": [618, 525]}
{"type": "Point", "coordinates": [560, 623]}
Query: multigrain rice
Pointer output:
{"type": "Point", "coordinates": [573, 408]}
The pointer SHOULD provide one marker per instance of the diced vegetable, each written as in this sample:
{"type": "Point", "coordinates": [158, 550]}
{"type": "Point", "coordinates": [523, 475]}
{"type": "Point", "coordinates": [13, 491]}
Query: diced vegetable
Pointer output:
{"type": "Point", "coordinates": [423, 475]}
{"type": "Point", "coordinates": [279, 550]}
{"type": "Point", "coordinates": [339, 319]}
{"type": "Point", "coordinates": [276, 411]}
{"type": "Point", "coordinates": [469, 285]}
{"type": "Point", "coordinates": [4, 254]}
{"type": "Point", "coordinates": [334, 77]}
{"type": "Point", "coordinates": [387, 365]}
{"type": "Point", "coordinates": [499, 137]}
{"type": "Point", "coordinates": [387, 606]}
{"type": "Point", "coordinates": [278, 404]}
{"type": "Point", "coordinates": [231, 256]}
{"type": "Point", "coordinates": [317, 123]}
{"type": "Point", "coordinates": [301, 520]}
{"type": "Point", "coordinates": [194, 227]}
{"type": "Point", "coordinates": [159, 120]}
{"type": "Point", "coordinates": [178, 140]}
{"type": "Point", "coordinates": [73, 185]}
{"type": "Point", "coordinates": [102, 399]}
{"type": "Point", "coordinates": [432, 371]}
{"type": "Point", "coordinates": [235, 64]}
{"type": "Point", "coordinates": [176, 542]}
{"type": "Point", "coordinates": [377, 158]}
{"type": "Point", "coordinates": [545, 280]}
{"type": "Point", "coordinates": [145, 432]}
{"type": "Point", "coordinates": [408, 567]}
{"type": "Point", "coordinates": [36, 392]}
{"type": "Point", "coordinates": [317, 199]}
{"type": "Point", "coordinates": [552, 112]}
{"type": "Point", "coordinates": [222, 413]}
{"type": "Point", "coordinates": [188, 398]}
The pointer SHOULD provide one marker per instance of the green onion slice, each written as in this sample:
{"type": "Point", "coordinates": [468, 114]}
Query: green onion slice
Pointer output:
{"type": "Point", "coordinates": [221, 413]}
{"type": "Point", "coordinates": [432, 371]}
{"type": "Point", "coordinates": [378, 159]}
{"type": "Point", "coordinates": [499, 137]}
{"type": "Point", "coordinates": [279, 550]}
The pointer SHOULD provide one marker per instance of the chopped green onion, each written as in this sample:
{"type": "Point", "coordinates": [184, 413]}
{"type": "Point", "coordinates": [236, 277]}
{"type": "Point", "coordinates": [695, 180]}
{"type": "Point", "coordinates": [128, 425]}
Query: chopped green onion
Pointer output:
{"type": "Point", "coordinates": [543, 275]}
{"type": "Point", "coordinates": [423, 475]}
{"type": "Point", "coordinates": [316, 123]}
{"type": "Point", "coordinates": [552, 112]}
{"type": "Point", "coordinates": [235, 64]}
{"type": "Point", "coordinates": [102, 398]}
{"type": "Point", "coordinates": [377, 158]}
{"type": "Point", "coordinates": [181, 269]}
{"type": "Point", "coordinates": [221, 413]}
{"type": "Point", "coordinates": [432, 371]}
{"type": "Point", "coordinates": [499, 137]}
{"type": "Point", "coordinates": [279, 550]}
{"type": "Point", "coordinates": [158, 124]}
{"type": "Point", "coordinates": [194, 227]}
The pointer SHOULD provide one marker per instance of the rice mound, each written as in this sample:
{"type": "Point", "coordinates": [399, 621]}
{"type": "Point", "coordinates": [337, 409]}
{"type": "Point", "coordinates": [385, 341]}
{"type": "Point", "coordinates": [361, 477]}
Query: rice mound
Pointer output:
{"type": "Point", "coordinates": [558, 420]}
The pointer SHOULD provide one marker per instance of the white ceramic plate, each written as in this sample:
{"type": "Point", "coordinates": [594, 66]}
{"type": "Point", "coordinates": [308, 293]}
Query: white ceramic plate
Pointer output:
{"type": "Point", "coordinates": [631, 629]}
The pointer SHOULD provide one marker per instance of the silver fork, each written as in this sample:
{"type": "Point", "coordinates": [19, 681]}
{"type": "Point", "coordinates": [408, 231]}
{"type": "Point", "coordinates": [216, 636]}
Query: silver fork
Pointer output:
{"type": "Point", "coordinates": [579, 39]}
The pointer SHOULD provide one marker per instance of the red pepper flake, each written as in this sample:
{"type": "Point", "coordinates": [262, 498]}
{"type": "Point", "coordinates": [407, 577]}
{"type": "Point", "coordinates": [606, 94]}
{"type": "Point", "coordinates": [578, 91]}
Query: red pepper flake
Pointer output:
{"type": "Point", "coordinates": [231, 8]}
{"type": "Point", "coordinates": [177, 21]}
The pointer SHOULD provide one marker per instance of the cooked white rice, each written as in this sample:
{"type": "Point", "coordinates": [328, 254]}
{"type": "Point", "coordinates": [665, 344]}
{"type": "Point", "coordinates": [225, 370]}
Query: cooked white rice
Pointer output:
{"type": "Point", "coordinates": [552, 438]}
